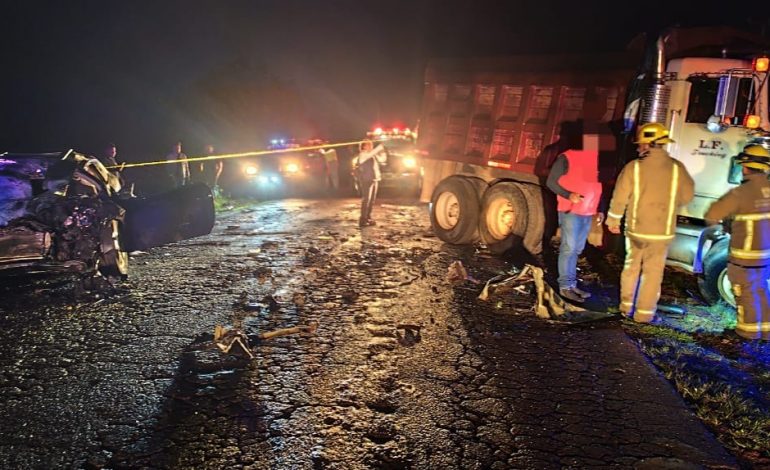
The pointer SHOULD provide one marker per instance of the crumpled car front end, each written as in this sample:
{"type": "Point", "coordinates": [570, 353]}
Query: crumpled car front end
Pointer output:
{"type": "Point", "coordinates": [67, 212]}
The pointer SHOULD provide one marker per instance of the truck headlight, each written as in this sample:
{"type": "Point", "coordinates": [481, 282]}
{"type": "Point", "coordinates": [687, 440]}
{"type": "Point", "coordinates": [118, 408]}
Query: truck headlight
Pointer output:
{"type": "Point", "coordinates": [251, 170]}
{"type": "Point", "coordinates": [292, 168]}
{"type": "Point", "coordinates": [409, 162]}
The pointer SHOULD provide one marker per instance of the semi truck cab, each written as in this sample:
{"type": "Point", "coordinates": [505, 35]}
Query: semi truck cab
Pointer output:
{"type": "Point", "coordinates": [716, 107]}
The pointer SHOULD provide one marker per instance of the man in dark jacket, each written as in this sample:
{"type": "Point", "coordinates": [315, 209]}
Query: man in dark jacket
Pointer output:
{"type": "Point", "coordinates": [574, 178]}
{"type": "Point", "coordinates": [367, 164]}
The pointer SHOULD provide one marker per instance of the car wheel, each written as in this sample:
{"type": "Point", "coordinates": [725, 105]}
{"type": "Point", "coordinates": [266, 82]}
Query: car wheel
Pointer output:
{"type": "Point", "coordinates": [113, 261]}
{"type": "Point", "coordinates": [714, 284]}
{"type": "Point", "coordinates": [454, 211]}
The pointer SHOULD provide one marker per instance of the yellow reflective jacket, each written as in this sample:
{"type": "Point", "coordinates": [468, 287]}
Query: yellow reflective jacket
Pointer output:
{"type": "Point", "coordinates": [749, 206]}
{"type": "Point", "coordinates": [649, 191]}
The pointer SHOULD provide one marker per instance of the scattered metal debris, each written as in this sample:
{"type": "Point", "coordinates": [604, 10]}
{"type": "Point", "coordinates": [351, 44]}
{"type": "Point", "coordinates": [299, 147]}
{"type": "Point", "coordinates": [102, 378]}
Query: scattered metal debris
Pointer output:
{"type": "Point", "coordinates": [236, 342]}
{"type": "Point", "coordinates": [411, 335]}
{"type": "Point", "coordinates": [549, 304]}
{"type": "Point", "coordinates": [456, 273]}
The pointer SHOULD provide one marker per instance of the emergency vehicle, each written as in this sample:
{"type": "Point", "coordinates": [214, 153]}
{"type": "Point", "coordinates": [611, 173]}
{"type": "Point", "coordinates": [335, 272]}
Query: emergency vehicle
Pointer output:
{"type": "Point", "coordinates": [291, 171]}
{"type": "Point", "coordinates": [403, 172]}
{"type": "Point", "coordinates": [491, 128]}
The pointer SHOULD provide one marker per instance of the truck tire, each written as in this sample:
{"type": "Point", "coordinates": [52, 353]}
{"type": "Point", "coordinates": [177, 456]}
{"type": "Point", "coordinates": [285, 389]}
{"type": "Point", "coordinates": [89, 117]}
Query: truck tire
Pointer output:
{"type": "Point", "coordinates": [113, 261]}
{"type": "Point", "coordinates": [713, 283]}
{"type": "Point", "coordinates": [503, 216]}
{"type": "Point", "coordinates": [533, 237]}
{"type": "Point", "coordinates": [454, 211]}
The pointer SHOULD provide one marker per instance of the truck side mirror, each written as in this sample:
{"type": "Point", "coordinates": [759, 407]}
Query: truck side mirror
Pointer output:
{"type": "Point", "coordinates": [736, 172]}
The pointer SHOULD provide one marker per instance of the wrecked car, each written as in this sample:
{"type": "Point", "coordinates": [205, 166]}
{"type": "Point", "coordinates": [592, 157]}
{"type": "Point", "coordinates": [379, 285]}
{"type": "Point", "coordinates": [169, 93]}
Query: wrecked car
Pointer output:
{"type": "Point", "coordinates": [66, 212]}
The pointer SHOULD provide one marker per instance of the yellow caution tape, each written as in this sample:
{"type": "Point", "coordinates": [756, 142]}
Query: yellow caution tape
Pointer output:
{"type": "Point", "coordinates": [233, 155]}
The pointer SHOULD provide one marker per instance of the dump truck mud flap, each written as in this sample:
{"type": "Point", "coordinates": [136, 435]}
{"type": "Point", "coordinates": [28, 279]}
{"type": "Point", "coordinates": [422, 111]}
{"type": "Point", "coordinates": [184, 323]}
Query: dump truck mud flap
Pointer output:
{"type": "Point", "coordinates": [175, 215]}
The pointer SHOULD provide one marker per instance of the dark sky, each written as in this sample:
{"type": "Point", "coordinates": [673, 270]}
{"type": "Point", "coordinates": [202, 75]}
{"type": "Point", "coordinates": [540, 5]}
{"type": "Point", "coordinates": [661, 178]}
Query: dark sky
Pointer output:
{"type": "Point", "coordinates": [144, 74]}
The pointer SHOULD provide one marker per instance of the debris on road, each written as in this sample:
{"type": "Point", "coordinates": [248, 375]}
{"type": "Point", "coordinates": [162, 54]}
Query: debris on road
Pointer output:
{"type": "Point", "coordinates": [549, 304]}
{"type": "Point", "coordinates": [305, 330]}
{"type": "Point", "coordinates": [456, 273]}
{"type": "Point", "coordinates": [238, 343]}
{"type": "Point", "coordinates": [233, 341]}
{"type": "Point", "coordinates": [411, 335]}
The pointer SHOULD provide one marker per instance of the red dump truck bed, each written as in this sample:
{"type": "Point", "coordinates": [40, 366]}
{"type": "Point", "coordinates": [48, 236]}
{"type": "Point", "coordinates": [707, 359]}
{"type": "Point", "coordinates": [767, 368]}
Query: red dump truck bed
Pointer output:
{"type": "Point", "coordinates": [504, 112]}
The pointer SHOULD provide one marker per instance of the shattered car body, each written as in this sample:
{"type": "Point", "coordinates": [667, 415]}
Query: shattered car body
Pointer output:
{"type": "Point", "coordinates": [65, 212]}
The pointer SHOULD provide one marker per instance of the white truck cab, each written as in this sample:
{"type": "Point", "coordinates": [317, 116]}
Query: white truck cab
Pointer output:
{"type": "Point", "coordinates": [715, 107]}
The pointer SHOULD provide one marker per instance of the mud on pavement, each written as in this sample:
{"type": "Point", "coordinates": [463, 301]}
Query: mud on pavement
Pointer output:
{"type": "Point", "coordinates": [405, 369]}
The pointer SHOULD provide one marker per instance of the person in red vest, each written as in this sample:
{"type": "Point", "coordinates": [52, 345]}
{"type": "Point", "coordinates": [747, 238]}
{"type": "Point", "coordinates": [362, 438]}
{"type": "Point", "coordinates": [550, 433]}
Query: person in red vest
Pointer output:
{"type": "Point", "coordinates": [574, 178]}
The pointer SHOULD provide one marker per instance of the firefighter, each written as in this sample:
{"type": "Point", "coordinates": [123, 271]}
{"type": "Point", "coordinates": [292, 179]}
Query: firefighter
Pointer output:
{"type": "Point", "coordinates": [748, 266]}
{"type": "Point", "coordinates": [649, 190]}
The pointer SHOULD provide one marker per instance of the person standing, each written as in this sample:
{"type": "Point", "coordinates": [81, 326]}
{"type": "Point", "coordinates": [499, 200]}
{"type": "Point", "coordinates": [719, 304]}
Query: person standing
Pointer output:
{"type": "Point", "coordinates": [648, 191]}
{"type": "Point", "coordinates": [574, 178]}
{"type": "Point", "coordinates": [332, 168]}
{"type": "Point", "coordinates": [180, 170]}
{"type": "Point", "coordinates": [109, 156]}
{"type": "Point", "coordinates": [208, 171]}
{"type": "Point", "coordinates": [748, 267]}
{"type": "Point", "coordinates": [367, 164]}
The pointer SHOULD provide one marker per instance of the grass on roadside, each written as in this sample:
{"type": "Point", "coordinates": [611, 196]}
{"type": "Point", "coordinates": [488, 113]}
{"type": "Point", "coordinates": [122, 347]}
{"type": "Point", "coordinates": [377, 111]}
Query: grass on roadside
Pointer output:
{"type": "Point", "coordinates": [223, 203]}
{"type": "Point", "coordinates": [725, 381]}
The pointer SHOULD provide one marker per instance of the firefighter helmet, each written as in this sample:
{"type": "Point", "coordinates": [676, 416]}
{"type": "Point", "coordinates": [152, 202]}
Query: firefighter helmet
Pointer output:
{"type": "Point", "coordinates": [652, 133]}
{"type": "Point", "coordinates": [754, 156]}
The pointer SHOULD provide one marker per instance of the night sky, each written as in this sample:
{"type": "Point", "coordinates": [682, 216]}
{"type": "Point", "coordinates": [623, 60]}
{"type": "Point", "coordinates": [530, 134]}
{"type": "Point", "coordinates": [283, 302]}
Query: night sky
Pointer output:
{"type": "Point", "coordinates": [144, 74]}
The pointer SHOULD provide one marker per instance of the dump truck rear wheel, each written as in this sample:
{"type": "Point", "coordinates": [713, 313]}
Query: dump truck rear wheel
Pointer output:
{"type": "Point", "coordinates": [454, 211]}
{"type": "Point", "coordinates": [503, 217]}
{"type": "Point", "coordinates": [533, 237]}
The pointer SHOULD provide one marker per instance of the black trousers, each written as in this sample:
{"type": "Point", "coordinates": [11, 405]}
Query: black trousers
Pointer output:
{"type": "Point", "coordinates": [368, 195]}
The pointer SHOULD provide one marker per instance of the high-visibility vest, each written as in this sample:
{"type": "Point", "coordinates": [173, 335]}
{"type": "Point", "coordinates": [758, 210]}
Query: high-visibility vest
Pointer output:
{"type": "Point", "coordinates": [582, 177]}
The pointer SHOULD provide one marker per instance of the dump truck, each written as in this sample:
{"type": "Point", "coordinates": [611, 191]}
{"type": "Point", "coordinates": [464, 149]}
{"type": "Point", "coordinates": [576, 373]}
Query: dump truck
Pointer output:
{"type": "Point", "coordinates": [490, 129]}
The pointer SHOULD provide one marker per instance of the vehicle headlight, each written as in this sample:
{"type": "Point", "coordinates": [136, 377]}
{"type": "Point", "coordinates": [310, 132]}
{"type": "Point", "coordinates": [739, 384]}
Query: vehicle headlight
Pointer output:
{"type": "Point", "coordinates": [263, 179]}
{"type": "Point", "coordinates": [251, 170]}
{"type": "Point", "coordinates": [292, 168]}
{"type": "Point", "coordinates": [409, 162]}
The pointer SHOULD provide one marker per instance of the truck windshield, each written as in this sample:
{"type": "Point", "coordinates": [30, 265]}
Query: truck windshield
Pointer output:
{"type": "Point", "coordinates": [703, 99]}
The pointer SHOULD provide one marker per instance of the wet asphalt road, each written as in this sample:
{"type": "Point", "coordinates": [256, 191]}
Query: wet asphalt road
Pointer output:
{"type": "Point", "coordinates": [404, 371]}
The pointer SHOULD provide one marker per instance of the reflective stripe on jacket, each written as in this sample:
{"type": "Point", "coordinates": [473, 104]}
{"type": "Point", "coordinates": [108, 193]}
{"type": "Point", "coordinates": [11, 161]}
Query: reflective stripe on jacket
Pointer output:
{"type": "Point", "coordinates": [749, 205]}
{"type": "Point", "coordinates": [649, 191]}
{"type": "Point", "coordinates": [582, 177]}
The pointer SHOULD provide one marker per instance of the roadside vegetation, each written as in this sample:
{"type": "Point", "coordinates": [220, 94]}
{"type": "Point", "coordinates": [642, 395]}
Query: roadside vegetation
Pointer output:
{"type": "Point", "coordinates": [724, 378]}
